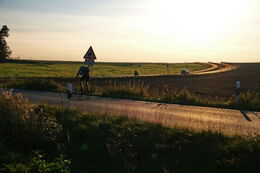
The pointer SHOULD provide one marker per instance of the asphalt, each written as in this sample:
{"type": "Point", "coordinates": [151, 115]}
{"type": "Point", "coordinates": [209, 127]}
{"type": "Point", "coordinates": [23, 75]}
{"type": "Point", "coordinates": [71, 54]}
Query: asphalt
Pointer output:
{"type": "Point", "coordinates": [227, 121]}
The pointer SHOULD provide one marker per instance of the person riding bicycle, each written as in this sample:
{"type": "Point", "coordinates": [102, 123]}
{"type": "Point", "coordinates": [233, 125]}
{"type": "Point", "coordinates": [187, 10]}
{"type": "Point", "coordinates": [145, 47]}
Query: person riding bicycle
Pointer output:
{"type": "Point", "coordinates": [83, 75]}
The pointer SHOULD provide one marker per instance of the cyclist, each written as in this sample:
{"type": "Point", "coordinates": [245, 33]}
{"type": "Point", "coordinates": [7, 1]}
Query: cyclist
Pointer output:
{"type": "Point", "coordinates": [83, 75]}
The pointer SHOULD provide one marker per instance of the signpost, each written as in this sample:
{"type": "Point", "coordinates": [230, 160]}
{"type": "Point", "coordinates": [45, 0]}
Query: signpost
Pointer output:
{"type": "Point", "coordinates": [90, 57]}
{"type": "Point", "coordinates": [69, 94]}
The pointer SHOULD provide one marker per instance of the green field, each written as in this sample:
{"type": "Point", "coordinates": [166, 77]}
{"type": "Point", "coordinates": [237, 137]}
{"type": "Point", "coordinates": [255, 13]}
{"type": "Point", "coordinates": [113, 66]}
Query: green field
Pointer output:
{"type": "Point", "coordinates": [69, 69]}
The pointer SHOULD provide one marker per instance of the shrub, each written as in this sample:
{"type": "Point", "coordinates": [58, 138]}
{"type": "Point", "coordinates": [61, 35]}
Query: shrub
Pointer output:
{"type": "Point", "coordinates": [20, 125]}
{"type": "Point", "coordinates": [39, 164]}
{"type": "Point", "coordinates": [14, 112]}
{"type": "Point", "coordinates": [14, 107]}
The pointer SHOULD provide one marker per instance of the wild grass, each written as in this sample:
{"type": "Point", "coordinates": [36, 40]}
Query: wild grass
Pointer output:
{"type": "Point", "coordinates": [249, 100]}
{"type": "Point", "coordinates": [20, 124]}
{"type": "Point", "coordinates": [100, 143]}
{"type": "Point", "coordinates": [69, 70]}
{"type": "Point", "coordinates": [135, 90]}
{"type": "Point", "coordinates": [35, 84]}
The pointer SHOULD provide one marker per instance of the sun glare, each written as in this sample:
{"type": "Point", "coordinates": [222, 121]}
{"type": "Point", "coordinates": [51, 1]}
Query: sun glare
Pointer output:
{"type": "Point", "coordinates": [200, 21]}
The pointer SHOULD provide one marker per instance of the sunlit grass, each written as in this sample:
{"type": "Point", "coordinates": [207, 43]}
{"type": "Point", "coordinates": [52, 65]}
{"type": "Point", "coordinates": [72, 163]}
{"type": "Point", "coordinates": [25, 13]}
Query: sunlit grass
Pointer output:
{"type": "Point", "coordinates": [69, 70]}
{"type": "Point", "coordinates": [137, 90]}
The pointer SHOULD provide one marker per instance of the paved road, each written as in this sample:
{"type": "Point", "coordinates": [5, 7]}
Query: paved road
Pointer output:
{"type": "Point", "coordinates": [195, 117]}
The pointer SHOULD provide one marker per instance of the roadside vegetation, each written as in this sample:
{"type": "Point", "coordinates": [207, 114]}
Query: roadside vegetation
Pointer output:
{"type": "Point", "coordinates": [44, 138]}
{"type": "Point", "coordinates": [249, 100]}
{"type": "Point", "coordinates": [36, 84]}
{"type": "Point", "coordinates": [32, 69]}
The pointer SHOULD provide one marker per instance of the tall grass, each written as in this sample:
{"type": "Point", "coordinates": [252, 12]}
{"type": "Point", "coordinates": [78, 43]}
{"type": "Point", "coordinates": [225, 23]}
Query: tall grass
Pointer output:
{"type": "Point", "coordinates": [20, 124]}
{"type": "Point", "coordinates": [99, 143]}
{"type": "Point", "coordinates": [249, 100]}
{"type": "Point", "coordinates": [24, 128]}
{"type": "Point", "coordinates": [134, 90]}
{"type": "Point", "coordinates": [35, 84]}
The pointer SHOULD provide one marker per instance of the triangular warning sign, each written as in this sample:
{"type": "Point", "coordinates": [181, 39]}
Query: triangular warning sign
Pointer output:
{"type": "Point", "coordinates": [90, 54]}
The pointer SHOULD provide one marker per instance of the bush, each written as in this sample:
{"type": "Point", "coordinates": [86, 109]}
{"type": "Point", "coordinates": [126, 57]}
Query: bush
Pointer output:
{"type": "Point", "coordinates": [20, 125]}
{"type": "Point", "coordinates": [39, 164]}
{"type": "Point", "coordinates": [14, 112]}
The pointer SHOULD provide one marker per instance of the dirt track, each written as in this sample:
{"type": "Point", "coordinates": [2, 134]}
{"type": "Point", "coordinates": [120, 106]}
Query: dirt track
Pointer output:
{"type": "Point", "coordinates": [217, 68]}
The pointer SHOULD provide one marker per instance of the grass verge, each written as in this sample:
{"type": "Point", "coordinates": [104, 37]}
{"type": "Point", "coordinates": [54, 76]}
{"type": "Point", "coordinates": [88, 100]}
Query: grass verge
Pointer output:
{"type": "Point", "coordinates": [249, 100]}
{"type": "Point", "coordinates": [35, 84]}
{"type": "Point", "coordinates": [56, 139]}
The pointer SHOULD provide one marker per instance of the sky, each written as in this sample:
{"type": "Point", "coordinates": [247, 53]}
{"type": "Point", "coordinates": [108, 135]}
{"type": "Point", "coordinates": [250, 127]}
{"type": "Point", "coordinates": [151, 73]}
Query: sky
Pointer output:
{"type": "Point", "coordinates": [134, 30]}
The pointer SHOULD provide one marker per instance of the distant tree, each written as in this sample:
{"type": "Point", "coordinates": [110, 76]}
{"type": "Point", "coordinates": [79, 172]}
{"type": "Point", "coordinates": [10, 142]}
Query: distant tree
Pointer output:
{"type": "Point", "coordinates": [5, 51]}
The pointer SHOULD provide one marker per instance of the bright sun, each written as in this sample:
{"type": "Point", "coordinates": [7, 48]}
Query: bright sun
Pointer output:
{"type": "Point", "coordinates": [196, 20]}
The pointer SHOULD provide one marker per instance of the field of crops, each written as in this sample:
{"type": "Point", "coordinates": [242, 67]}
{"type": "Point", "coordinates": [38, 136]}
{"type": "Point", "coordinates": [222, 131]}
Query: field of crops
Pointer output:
{"type": "Point", "coordinates": [29, 69]}
{"type": "Point", "coordinates": [215, 90]}
{"type": "Point", "coordinates": [220, 85]}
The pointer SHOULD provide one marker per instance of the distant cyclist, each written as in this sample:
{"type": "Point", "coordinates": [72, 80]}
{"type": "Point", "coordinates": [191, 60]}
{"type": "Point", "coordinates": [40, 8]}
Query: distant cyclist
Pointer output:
{"type": "Point", "coordinates": [83, 75]}
{"type": "Point", "coordinates": [136, 73]}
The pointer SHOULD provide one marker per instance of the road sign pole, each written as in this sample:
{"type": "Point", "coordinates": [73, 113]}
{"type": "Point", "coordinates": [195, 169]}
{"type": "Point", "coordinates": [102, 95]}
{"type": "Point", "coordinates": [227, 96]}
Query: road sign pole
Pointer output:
{"type": "Point", "coordinates": [69, 90]}
{"type": "Point", "coordinates": [237, 91]}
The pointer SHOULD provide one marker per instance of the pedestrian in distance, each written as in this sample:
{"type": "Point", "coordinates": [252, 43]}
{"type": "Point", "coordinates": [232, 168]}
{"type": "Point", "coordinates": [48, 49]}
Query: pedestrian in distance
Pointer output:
{"type": "Point", "coordinates": [136, 73]}
{"type": "Point", "coordinates": [83, 76]}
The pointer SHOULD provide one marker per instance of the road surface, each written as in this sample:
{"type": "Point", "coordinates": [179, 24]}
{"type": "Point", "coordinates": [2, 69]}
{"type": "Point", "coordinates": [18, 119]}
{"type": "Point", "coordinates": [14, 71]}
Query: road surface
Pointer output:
{"type": "Point", "coordinates": [199, 118]}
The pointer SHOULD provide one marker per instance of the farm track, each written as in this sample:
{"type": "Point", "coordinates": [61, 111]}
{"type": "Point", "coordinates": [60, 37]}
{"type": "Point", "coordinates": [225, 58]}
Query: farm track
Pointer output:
{"type": "Point", "coordinates": [233, 122]}
{"type": "Point", "coordinates": [217, 68]}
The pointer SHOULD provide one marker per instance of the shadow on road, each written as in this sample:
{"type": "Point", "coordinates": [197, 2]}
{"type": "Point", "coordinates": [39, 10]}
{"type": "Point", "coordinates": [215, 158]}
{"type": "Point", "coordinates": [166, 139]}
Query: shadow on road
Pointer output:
{"type": "Point", "coordinates": [245, 115]}
{"type": "Point", "coordinates": [161, 106]}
